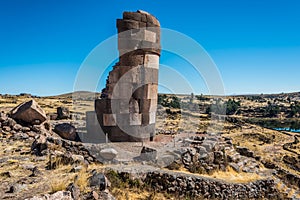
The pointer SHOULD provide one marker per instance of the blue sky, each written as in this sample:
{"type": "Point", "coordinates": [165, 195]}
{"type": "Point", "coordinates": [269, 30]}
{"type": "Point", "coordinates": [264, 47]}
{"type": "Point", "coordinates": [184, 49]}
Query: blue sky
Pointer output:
{"type": "Point", "coordinates": [255, 44]}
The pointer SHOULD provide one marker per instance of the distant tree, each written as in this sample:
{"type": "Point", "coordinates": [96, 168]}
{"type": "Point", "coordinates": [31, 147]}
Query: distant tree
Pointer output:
{"type": "Point", "coordinates": [169, 101]}
{"type": "Point", "coordinates": [221, 108]}
{"type": "Point", "coordinates": [232, 106]}
{"type": "Point", "coordinates": [201, 98]}
{"type": "Point", "coordinates": [218, 108]}
{"type": "Point", "coordinates": [161, 99]}
{"type": "Point", "coordinates": [294, 110]}
{"type": "Point", "coordinates": [272, 110]}
{"type": "Point", "coordinates": [175, 102]}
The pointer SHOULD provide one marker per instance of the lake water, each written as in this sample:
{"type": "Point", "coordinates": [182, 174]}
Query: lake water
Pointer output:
{"type": "Point", "coordinates": [288, 129]}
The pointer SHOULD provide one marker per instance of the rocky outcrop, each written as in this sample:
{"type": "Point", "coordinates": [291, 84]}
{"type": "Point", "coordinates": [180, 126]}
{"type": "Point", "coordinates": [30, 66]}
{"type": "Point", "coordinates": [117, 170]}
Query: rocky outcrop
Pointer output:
{"type": "Point", "coordinates": [292, 162]}
{"type": "Point", "coordinates": [29, 112]}
{"type": "Point", "coordinates": [205, 155]}
{"type": "Point", "coordinates": [245, 151]}
{"type": "Point", "coordinates": [43, 140]}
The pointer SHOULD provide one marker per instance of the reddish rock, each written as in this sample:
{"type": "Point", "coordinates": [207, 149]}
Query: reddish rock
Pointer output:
{"type": "Point", "coordinates": [29, 112]}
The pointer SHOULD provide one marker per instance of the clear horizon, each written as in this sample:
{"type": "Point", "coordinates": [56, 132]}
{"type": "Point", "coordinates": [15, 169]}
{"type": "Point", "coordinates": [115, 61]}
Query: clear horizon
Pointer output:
{"type": "Point", "coordinates": [255, 45]}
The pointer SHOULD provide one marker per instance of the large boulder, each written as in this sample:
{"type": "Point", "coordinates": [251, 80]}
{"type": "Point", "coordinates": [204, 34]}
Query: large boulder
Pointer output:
{"type": "Point", "coordinates": [148, 154]}
{"type": "Point", "coordinates": [108, 153]}
{"type": "Point", "coordinates": [63, 113]}
{"type": "Point", "coordinates": [66, 131]}
{"type": "Point", "coordinates": [29, 112]}
{"type": "Point", "coordinates": [165, 160]}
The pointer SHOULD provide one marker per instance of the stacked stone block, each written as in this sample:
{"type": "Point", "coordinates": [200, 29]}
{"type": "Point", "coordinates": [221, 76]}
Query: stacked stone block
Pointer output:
{"type": "Point", "coordinates": [127, 108]}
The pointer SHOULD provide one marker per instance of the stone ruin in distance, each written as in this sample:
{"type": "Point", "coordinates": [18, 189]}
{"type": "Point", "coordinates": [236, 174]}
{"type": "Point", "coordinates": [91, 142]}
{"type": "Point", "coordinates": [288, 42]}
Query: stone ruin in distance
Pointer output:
{"type": "Point", "coordinates": [126, 111]}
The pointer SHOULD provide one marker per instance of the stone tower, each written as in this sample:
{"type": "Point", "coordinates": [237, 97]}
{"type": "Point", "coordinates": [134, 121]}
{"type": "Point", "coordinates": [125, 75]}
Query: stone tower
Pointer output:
{"type": "Point", "coordinates": [127, 108]}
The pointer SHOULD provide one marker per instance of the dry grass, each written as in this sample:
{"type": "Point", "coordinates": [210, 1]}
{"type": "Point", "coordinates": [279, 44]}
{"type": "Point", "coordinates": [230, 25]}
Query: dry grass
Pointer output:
{"type": "Point", "coordinates": [232, 176]}
{"type": "Point", "coordinates": [137, 194]}
{"type": "Point", "coordinates": [48, 182]}
{"type": "Point", "coordinates": [64, 177]}
{"type": "Point", "coordinates": [268, 152]}
{"type": "Point", "coordinates": [229, 175]}
{"type": "Point", "coordinates": [82, 180]}
{"type": "Point", "coordinates": [49, 104]}
{"type": "Point", "coordinates": [59, 185]}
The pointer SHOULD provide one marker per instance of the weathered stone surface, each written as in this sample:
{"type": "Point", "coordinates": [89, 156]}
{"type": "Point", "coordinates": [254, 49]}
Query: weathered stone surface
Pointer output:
{"type": "Point", "coordinates": [149, 118]}
{"type": "Point", "coordinates": [92, 195]}
{"type": "Point", "coordinates": [52, 116]}
{"type": "Point", "coordinates": [165, 160]}
{"type": "Point", "coordinates": [62, 195]}
{"type": "Point", "coordinates": [135, 119]}
{"type": "Point", "coordinates": [152, 61]}
{"type": "Point", "coordinates": [109, 119]}
{"type": "Point", "coordinates": [75, 191]}
{"type": "Point", "coordinates": [108, 153]}
{"type": "Point", "coordinates": [29, 112]}
{"type": "Point", "coordinates": [132, 15]}
{"type": "Point", "coordinates": [63, 113]}
{"type": "Point", "coordinates": [3, 117]}
{"type": "Point", "coordinates": [128, 106]}
{"type": "Point", "coordinates": [245, 152]}
{"type": "Point", "coordinates": [66, 131]}
{"type": "Point", "coordinates": [100, 180]}
{"type": "Point", "coordinates": [17, 127]}
{"type": "Point", "coordinates": [201, 188]}
{"type": "Point", "coordinates": [106, 195]}
{"type": "Point", "coordinates": [148, 154]}
{"type": "Point", "coordinates": [39, 145]}
{"type": "Point", "coordinates": [94, 132]}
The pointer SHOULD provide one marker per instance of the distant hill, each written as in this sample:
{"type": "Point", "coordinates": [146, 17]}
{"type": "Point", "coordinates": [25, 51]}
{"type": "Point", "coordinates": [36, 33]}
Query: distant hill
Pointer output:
{"type": "Point", "coordinates": [82, 94]}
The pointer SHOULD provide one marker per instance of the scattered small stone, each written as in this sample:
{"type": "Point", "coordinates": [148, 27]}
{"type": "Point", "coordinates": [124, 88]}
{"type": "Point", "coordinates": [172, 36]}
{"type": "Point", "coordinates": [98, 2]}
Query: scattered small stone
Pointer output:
{"type": "Point", "coordinates": [6, 128]}
{"type": "Point", "coordinates": [108, 153]}
{"type": "Point", "coordinates": [35, 172]}
{"type": "Point", "coordinates": [62, 195]}
{"type": "Point", "coordinates": [63, 113]}
{"type": "Point", "coordinates": [235, 167]}
{"type": "Point", "coordinates": [76, 169]}
{"type": "Point", "coordinates": [3, 117]}
{"type": "Point", "coordinates": [75, 191]}
{"type": "Point", "coordinates": [6, 174]}
{"type": "Point", "coordinates": [17, 127]}
{"type": "Point", "coordinates": [106, 195]}
{"type": "Point", "coordinates": [25, 129]}
{"type": "Point", "coordinates": [20, 136]}
{"type": "Point", "coordinates": [100, 180]}
{"type": "Point", "coordinates": [39, 145]}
